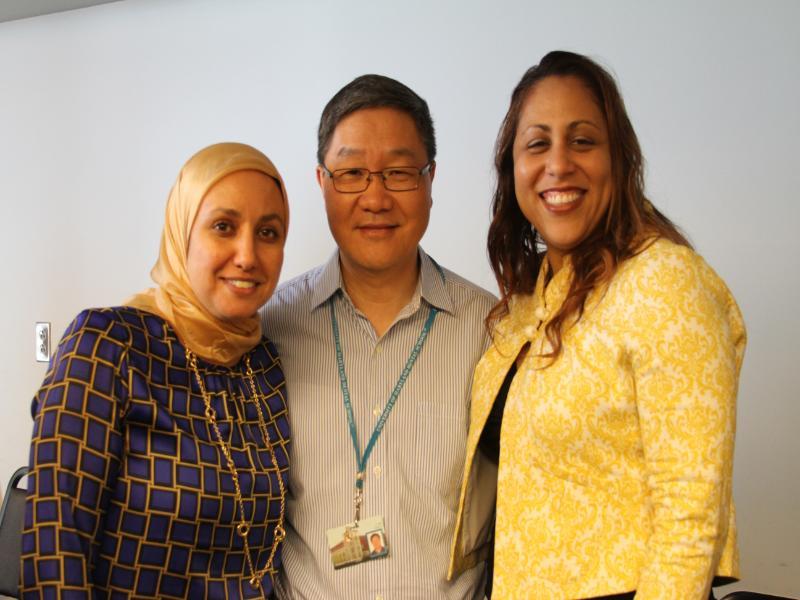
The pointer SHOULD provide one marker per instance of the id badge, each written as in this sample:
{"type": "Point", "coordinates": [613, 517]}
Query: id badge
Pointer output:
{"type": "Point", "coordinates": [351, 544]}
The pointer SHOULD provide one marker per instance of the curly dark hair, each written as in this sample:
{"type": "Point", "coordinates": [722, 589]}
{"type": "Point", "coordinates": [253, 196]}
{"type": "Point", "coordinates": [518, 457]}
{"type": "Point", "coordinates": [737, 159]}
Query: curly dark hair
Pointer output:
{"type": "Point", "coordinates": [629, 224]}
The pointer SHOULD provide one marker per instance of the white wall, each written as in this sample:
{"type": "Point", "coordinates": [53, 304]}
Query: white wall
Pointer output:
{"type": "Point", "coordinates": [100, 107]}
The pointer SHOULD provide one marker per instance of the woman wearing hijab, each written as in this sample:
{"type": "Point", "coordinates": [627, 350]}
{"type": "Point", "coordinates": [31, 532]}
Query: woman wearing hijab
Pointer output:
{"type": "Point", "coordinates": [159, 460]}
{"type": "Point", "coordinates": [612, 376]}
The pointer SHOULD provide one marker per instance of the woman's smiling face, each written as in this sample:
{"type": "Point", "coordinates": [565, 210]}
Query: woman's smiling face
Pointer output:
{"type": "Point", "coordinates": [236, 245]}
{"type": "Point", "coordinates": [562, 164]}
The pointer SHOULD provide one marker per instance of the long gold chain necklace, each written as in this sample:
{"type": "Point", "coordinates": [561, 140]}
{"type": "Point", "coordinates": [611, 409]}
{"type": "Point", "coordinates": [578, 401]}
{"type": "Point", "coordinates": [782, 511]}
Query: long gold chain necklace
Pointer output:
{"type": "Point", "coordinates": [243, 527]}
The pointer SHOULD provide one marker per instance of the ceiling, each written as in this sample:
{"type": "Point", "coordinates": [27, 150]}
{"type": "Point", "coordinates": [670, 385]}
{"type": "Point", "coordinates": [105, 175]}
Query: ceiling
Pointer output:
{"type": "Point", "coordinates": [10, 10]}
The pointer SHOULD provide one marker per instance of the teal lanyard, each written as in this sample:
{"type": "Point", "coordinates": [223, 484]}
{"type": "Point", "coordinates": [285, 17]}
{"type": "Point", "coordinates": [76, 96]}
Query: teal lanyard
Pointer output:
{"type": "Point", "coordinates": [361, 460]}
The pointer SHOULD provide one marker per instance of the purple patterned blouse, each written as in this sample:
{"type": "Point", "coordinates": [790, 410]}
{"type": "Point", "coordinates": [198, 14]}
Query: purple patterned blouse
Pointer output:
{"type": "Point", "coordinates": [129, 494]}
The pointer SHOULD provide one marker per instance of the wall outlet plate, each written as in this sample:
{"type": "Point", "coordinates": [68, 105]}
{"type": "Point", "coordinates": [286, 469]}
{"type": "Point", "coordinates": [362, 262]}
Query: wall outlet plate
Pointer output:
{"type": "Point", "coordinates": [42, 341]}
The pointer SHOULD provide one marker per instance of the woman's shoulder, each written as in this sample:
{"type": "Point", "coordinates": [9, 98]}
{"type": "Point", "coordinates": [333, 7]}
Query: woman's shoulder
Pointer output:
{"type": "Point", "coordinates": [266, 346]}
{"type": "Point", "coordinates": [660, 251]}
{"type": "Point", "coordinates": [663, 264]}
{"type": "Point", "coordinates": [666, 278]}
{"type": "Point", "coordinates": [122, 324]}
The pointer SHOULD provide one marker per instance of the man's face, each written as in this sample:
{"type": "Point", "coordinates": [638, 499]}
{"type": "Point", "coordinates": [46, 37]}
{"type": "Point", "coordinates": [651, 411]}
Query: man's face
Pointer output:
{"type": "Point", "coordinates": [377, 230]}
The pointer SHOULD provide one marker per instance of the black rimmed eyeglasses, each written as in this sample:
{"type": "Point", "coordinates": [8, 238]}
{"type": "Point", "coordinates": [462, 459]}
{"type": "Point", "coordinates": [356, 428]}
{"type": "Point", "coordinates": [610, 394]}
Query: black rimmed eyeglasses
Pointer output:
{"type": "Point", "coordinates": [395, 179]}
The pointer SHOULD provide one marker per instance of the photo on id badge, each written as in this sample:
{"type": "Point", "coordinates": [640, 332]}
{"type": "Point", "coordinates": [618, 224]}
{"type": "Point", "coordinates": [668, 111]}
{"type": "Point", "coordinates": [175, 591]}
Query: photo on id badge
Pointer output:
{"type": "Point", "coordinates": [351, 544]}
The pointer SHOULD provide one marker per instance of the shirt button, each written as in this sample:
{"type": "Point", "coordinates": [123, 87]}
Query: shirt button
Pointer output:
{"type": "Point", "coordinates": [540, 313]}
{"type": "Point", "coordinates": [376, 411]}
{"type": "Point", "coordinates": [529, 331]}
{"type": "Point", "coordinates": [377, 470]}
{"type": "Point", "coordinates": [378, 350]}
{"type": "Point", "coordinates": [378, 597]}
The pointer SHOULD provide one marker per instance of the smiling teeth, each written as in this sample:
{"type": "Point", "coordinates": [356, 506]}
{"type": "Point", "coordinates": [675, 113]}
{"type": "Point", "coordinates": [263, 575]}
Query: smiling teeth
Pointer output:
{"type": "Point", "coordinates": [242, 284]}
{"type": "Point", "coordinates": [559, 198]}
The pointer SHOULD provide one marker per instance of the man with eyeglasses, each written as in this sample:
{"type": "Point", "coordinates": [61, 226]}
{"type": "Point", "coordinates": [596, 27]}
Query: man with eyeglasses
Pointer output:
{"type": "Point", "coordinates": [378, 347]}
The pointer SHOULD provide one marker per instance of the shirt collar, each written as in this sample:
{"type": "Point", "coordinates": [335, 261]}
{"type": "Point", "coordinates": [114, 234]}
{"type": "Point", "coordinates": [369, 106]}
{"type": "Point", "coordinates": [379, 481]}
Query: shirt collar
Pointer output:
{"type": "Point", "coordinates": [328, 281]}
{"type": "Point", "coordinates": [431, 285]}
{"type": "Point", "coordinates": [434, 288]}
{"type": "Point", "coordinates": [526, 311]}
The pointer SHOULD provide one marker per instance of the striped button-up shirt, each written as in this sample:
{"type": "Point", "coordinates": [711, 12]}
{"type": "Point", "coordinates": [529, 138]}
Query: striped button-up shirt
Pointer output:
{"type": "Point", "coordinates": [413, 473]}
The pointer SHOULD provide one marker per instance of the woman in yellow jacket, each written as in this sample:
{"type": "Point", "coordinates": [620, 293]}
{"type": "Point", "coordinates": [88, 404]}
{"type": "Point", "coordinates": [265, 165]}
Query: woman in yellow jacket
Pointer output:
{"type": "Point", "coordinates": [613, 369]}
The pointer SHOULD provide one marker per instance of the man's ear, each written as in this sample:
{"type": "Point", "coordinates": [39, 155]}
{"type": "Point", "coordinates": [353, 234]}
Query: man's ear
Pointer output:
{"type": "Point", "coordinates": [432, 173]}
{"type": "Point", "coordinates": [320, 175]}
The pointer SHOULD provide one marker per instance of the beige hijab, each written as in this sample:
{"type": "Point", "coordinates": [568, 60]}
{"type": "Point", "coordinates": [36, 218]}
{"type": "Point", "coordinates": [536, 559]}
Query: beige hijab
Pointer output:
{"type": "Point", "coordinates": [220, 342]}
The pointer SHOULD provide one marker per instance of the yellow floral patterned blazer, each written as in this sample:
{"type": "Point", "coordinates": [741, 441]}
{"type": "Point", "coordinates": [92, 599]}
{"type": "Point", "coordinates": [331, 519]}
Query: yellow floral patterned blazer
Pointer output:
{"type": "Point", "coordinates": [615, 460]}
